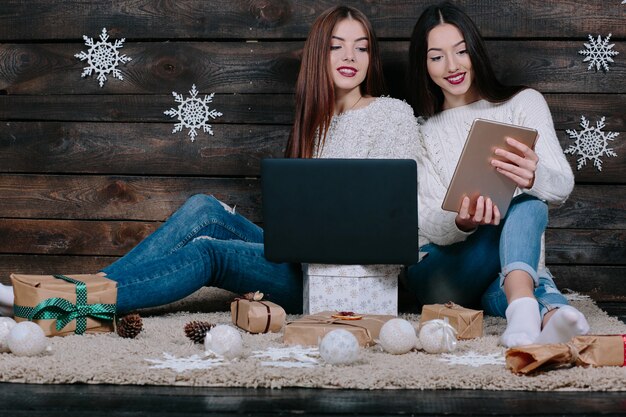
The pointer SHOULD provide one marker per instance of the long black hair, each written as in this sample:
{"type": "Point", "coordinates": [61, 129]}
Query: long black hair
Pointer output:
{"type": "Point", "coordinates": [424, 95]}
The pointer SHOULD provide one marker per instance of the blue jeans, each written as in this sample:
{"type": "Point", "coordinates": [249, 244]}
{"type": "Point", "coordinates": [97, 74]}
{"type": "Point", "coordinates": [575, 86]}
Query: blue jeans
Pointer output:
{"type": "Point", "coordinates": [471, 273]}
{"type": "Point", "coordinates": [203, 243]}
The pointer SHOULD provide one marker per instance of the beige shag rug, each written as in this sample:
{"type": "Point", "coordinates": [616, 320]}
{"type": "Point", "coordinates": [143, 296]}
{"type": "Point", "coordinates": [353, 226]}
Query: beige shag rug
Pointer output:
{"type": "Point", "coordinates": [162, 355]}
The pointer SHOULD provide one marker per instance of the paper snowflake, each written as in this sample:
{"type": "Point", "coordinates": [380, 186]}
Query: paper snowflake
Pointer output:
{"type": "Point", "coordinates": [193, 112]}
{"type": "Point", "coordinates": [103, 57]}
{"type": "Point", "coordinates": [598, 52]}
{"type": "Point", "coordinates": [473, 359]}
{"type": "Point", "coordinates": [186, 364]}
{"type": "Point", "coordinates": [591, 143]}
{"type": "Point", "coordinates": [289, 357]}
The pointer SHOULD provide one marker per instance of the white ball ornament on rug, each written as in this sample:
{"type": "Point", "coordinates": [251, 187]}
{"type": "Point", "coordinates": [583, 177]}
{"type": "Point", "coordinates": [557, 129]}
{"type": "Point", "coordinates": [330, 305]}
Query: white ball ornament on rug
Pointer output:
{"type": "Point", "coordinates": [437, 336]}
{"type": "Point", "coordinates": [339, 347]}
{"type": "Point", "coordinates": [397, 336]}
{"type": "Point", "coordinates": [225, 341]}
{"type": "Point", "coordinates": [27, 339]}
{"type": "Point", "coordinates": [6, 324]}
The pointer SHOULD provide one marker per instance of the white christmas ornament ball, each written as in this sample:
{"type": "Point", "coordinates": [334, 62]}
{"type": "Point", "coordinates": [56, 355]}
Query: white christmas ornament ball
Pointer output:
{"type": "Point", "coordinates": [224, 340]}
{"type": "Point", "coordinates": [397, 336]}
{"type": "Point", "coordinates": [6, 324]}
{"type": "Point", "coordinates": [339, 347]}
{"type": "Point", "coordinates": [27, 339]}
{"type": "Point", "coordinates": [437, 336]}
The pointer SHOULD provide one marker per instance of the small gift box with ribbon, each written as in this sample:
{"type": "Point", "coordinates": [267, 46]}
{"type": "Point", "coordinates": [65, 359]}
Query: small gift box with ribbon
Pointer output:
{"type": "Point", "coordinates": [309, 330]}
{"type": "Point", "coordinates": [255, 315]}
{"type": "Point", "coordinates": [63, 305]}
{"type": "Point", "coordinates": [468, 323]}
{"type": "Point", "coordinates": [605, 350]}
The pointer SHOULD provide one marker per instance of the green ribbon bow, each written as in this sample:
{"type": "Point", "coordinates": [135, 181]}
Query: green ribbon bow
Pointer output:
{"type": "Point", "coordinates": [64, 311]}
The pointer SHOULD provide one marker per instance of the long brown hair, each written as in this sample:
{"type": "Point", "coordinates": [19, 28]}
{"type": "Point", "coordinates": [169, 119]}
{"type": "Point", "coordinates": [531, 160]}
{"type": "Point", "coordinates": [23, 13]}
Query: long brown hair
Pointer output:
{"type": "Point", "coordinates": [425, 96]}
{"type": "Point", "coordinates": [315, 91]}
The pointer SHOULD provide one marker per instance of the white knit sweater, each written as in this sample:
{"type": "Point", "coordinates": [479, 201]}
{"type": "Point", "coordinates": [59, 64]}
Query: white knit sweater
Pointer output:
{"type": "Point", "coordinates": [443, 137]}
{"type": "Point", "coordinates": [384, 129]}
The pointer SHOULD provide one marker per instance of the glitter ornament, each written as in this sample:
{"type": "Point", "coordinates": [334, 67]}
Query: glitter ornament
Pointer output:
{"type": "Point", "coordinates": [27, 339]}
{"type": "Point", "coordinates": [339, 347]}
{"type": "Point", "coordinates": [437, 336]}
{"type": "Point", "coordinates": [397, 336]}
{"type": "Point", "coordinates": [225, 341]}
{"type": "Point", "coordinates": [6, 324]}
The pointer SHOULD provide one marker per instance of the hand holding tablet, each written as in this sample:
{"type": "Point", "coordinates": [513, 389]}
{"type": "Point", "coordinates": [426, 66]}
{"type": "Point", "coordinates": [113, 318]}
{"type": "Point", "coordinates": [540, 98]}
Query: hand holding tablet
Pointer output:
{"type": "Point", "coordinates": [490, 167]}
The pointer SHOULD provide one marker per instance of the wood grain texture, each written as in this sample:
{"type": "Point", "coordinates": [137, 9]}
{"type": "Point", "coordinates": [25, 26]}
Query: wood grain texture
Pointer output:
{"type": "Point", "coordinates": [259, 108]}
{"type": "Point", "coordinates": [271, 67]}
{"type": "Point", "coordinates": [118, 197]}
{"type": "Point", "coordinates": [137, 148]}
{"type": "Point", "coordinates": [110, 238]}
{"type": "Point", "coordinates": [260, 19]}
{"type": "Point", "coordinates": [155, 198]}
{"type": "Point", "coordinates": [152, 149]}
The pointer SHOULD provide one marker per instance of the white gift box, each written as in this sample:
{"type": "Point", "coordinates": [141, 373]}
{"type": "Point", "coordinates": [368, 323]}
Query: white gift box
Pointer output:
{"type": "Point", "coordinates": [363, 289]}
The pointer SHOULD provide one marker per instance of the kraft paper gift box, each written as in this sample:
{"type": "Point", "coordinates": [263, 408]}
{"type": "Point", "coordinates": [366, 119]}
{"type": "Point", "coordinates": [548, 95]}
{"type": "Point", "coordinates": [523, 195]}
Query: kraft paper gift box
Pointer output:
{"type": "Point", "coordinates": [604, 350]}
{"type": "Point", "coordinates": [309, 330]}
{"type": "Point", "coordinates": [51, 302]}
{"type": "Point", "coordinates": [468, 323]}
{"type": "Point", "coordinates": [366, 289]}
{"type": "Point", "coordinates": [257, 316]}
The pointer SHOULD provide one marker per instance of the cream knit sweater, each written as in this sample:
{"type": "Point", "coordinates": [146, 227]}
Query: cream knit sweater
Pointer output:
{"type": "Point", "coordinates": [442, 140]}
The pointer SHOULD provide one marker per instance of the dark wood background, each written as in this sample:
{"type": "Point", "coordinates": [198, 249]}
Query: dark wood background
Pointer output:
{"type": "Point", "coordinates": [87, 172]}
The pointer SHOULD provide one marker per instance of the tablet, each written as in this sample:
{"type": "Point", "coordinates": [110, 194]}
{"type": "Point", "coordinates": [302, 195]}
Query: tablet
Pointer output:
{"type": "Point", "coordinates": [475, 176]}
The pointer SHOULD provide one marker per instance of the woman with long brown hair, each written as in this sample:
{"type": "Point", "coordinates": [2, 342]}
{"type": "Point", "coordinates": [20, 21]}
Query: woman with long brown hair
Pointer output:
{"type": "Point", "coordinates": [338, 115]}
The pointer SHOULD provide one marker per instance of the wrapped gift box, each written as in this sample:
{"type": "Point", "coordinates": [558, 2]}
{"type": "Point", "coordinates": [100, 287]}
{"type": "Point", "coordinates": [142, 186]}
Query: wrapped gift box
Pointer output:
{"type": "Point", "coordinates": [370, 289]}
{"type": "Point", "coordinates": [468, 323]}
{"type": "Point", "coordinates": [51, 302]}
{"type": "Point", "coordinates": [309, 330]}
{"type": "Point", "coordinates": [257, 316]}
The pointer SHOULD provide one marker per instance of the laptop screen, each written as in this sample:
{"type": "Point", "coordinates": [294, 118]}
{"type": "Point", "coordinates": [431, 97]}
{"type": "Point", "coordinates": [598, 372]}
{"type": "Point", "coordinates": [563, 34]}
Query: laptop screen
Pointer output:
{"type": "Point", "coordinates": [340, 211]}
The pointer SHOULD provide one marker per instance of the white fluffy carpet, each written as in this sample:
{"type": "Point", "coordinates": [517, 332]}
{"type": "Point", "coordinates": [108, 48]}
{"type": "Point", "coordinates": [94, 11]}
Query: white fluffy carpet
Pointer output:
{"type": "Point", "coordinates": [162, 355]}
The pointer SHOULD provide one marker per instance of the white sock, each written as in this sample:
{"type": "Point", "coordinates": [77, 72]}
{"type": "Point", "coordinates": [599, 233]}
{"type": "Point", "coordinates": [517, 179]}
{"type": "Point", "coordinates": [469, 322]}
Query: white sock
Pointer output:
{"type": "Point", "coordinates": [566, 323]}
{"type": "Point", "coordinates": [523, 322]}
{"type": "Point", "coordinates": [6, 295]}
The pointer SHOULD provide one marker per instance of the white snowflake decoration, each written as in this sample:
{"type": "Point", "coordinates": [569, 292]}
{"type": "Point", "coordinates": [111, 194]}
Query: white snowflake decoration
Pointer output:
{"type": "Point", "coordinates": [473, 359]}
{"type": "Point", "coordinates": [186, 364]}
{"type": "Point", "coordinates": [591, 143]}
{"type": "Point", "coordinates": [193, 112]}
{"type": "Point", "coordinates": [289, 357]}
{"type": "Point", "coordinates": [103, 57]}
{"type": "Point", "coordinates": [598, 52]}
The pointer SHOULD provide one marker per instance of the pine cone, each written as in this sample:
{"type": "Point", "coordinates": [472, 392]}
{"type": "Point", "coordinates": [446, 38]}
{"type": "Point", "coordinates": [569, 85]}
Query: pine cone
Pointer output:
{"type": "Point", "coordinates": [129, 326]}
{"type": "Point", "coordinates": [197, 330]}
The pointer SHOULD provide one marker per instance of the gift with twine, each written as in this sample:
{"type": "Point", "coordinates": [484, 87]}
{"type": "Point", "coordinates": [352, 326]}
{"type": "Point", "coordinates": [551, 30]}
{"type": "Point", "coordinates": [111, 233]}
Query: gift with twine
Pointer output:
{"type": "Point", "coordinates": [65, 304]}
{"type": "Point", "coordinates": [309, 330]}
{"type": "Point", "coordinates": [605, 350]}
{"type": "Point", "coordinates": [256, 315]}
{"type": "Point", "coordinates": [468, 323]}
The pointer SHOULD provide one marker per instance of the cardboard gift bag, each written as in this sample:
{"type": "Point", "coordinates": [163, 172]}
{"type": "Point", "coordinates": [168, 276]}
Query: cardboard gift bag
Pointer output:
{"type": "Point", "coordinates": [605, 350]}
{"type": "Point", "coordinates": [309, 330]}
{"type": "Point", "coordinates": [467, 322]}
{"type": "Point", "coordinates": [257, 316]}
{"type": "Point", "coordinates": [63, 305]}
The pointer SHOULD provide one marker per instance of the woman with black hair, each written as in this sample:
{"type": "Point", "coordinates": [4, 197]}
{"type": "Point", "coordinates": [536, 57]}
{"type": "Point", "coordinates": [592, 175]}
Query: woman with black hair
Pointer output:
{"type": "Point", "coordinates": [451, 84]}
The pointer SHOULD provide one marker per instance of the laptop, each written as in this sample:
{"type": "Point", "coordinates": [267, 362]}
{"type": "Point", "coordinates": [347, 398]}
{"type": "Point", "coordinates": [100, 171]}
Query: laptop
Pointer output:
{"type": "Point", "coordinates": [340, 211]}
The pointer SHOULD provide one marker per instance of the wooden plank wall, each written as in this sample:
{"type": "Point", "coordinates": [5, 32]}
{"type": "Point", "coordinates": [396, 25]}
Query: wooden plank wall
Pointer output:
{"type": "Point", "coordinates": [86, 172]}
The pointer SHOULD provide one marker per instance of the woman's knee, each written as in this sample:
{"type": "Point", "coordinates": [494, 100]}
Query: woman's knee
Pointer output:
{"type": "Point", "coordinates": [529, 210]}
